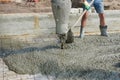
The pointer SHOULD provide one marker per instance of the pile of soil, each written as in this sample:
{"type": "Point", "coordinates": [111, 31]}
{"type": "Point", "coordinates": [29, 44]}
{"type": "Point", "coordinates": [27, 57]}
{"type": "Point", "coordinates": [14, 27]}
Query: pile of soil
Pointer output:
{"type": "Point", "coordinates": [108, 4]}
{"type": "Point", "coordinates": [112, 4]}
{"type": "Point", "coordinates": [31, 7]}
{"type": "Point", "coordinates": [45, 6]}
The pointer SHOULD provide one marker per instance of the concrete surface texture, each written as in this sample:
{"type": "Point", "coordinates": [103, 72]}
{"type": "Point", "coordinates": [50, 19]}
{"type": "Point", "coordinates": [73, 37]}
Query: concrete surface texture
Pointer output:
{"type": "Point", "coordinates": [94, 57]}
{"type": "Point", "coordinates": [31, 51]}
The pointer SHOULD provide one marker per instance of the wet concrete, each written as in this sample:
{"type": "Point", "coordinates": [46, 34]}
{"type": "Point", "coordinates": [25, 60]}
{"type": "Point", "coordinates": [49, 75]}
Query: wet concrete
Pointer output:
{"type": "Point", "coordinates": [93, 57]}
{"type": "Point", "coordinates": [90, 58]}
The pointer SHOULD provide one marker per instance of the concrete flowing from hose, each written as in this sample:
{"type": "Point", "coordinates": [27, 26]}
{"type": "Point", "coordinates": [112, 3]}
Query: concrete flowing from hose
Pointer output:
{"type": "Point", "coordinates": [61, 12]}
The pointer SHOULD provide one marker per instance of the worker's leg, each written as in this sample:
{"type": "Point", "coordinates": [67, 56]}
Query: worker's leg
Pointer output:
{"type": "Point", "coordinates": [102, 19]}
{"type": "Point", "coordinates": [84, 21]}
{"type": "Point", "coordinates": [100, 10]}
{"type": "Point", "coordinates": [103, 27]}
{"type": "Point", "coordinates": [83, 24]}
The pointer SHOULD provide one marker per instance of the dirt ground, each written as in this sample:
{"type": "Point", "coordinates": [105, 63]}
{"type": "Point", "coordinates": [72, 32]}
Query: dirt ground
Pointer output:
{"type": "Point", "coordinates": [108, 4]}
{"type": "Point", "coordinates": [13, 7]}
{"type": "Point", "coordinates": [45, 6]}
{"type": "Point", "coordinates": [91, 58]}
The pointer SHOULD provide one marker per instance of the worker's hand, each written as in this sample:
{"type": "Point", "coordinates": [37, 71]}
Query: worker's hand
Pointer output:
{"type": "Point", "coordinates": [86, 5]}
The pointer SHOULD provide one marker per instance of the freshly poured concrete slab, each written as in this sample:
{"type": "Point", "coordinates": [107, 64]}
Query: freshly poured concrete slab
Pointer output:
{"type": "Point", "coordinates": [93, 57]}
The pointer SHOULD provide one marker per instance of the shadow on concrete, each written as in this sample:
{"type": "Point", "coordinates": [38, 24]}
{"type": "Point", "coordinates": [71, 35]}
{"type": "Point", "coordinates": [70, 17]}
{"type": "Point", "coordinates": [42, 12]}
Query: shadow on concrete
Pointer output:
{"type": "Point", "coordinates": [6, 52]}
{"type": "Point", "coordinates": [79, 73]}
{"type": "Point", "coordinates": [89, 74]}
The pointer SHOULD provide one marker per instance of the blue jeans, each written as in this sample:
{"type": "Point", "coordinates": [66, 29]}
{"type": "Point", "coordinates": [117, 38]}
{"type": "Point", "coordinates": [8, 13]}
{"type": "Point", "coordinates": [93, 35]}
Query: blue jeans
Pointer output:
{"type": "Point", "coordinates": [98, 5]}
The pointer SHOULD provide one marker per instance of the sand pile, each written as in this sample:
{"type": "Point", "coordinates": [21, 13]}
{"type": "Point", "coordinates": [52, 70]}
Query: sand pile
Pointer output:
{"type": "Point", "coordinates": [109, 4]}
{"type": "Point", "coordinates": [94, 57]}
{"type": "Point", "coordinates": [45, 6]}
{"type": "Point", "coordinates": [112, 4]}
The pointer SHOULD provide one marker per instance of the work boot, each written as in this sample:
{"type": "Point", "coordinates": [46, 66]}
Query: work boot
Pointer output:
{"type": "Point", "coordinates": [103, 30]}
{"type": "Point", "coordinates": [81, 32]}
{"type": "Point", "coordinates": [70, 37]}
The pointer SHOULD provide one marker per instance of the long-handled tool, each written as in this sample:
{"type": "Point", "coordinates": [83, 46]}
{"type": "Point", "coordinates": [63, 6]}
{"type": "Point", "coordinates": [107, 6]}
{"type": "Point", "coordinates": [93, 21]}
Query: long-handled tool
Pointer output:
{"type": "Point", "coordinates": [81, 16]}
{"type": "Point", "coordinates": [70, 38]}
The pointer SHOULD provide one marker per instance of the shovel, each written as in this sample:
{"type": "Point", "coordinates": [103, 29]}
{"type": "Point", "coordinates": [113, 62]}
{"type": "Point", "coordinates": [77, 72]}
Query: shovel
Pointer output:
{"type": "Point", "coordinates": [70, 36]}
